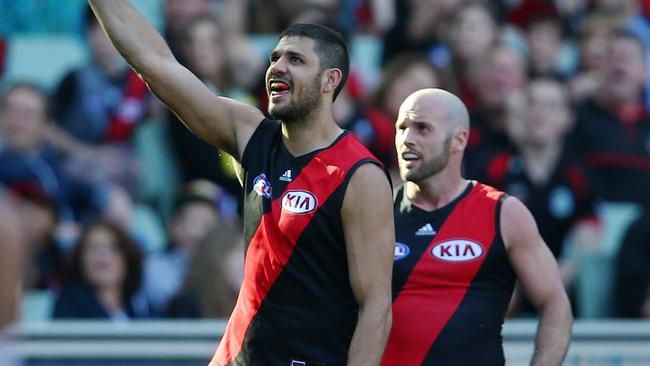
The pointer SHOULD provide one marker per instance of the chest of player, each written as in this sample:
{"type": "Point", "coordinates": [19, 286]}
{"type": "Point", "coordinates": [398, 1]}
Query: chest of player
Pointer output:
{"type": "Point", "coordinates": [443, 255]}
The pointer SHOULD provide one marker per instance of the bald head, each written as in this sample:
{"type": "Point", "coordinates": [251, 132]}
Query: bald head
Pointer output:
{"type": "Point", "coordinates": [431, 135]}
{"type": "Point", "coordinates": [441, 103]}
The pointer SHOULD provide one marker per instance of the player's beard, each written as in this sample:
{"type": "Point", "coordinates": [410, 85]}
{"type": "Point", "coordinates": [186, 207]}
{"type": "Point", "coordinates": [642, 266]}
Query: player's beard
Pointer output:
{"type": "Point", "coordinates": [429, 167]}
{"type": "Point", "coordinates": [304, 101]}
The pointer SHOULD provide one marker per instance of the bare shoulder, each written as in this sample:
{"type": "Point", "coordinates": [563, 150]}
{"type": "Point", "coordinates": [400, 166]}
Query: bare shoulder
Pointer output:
{"type": "Point", "coordinates": [517, 223]}
{"type": "Point", "coordinates": [368, 186]}
{"type": "Point", "coordinates": [368, 180]}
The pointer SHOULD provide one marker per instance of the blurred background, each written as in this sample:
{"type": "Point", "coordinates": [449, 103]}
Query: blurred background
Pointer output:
{"type": "Point", "coordinates": [120, 231]}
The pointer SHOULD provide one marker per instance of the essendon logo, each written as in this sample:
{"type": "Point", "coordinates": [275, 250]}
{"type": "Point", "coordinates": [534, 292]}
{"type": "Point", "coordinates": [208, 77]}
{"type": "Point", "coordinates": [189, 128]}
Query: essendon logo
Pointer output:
{"type": "Point", "coordinates": [457, 250]}
{"type": "Point", "coordinates": [299, 202]}
{"type": "Point", "coordinates": [262, 186]}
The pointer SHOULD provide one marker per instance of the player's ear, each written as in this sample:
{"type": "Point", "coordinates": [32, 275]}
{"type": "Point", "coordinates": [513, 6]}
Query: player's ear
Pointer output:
{"type": "Point", "coordinates": [459, 139]}
{"type": "Point", "coordinates": [331, 78]}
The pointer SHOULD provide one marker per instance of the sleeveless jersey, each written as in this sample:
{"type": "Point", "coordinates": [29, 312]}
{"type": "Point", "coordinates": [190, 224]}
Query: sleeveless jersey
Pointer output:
{"type": "Point", "coordinates": [452, 282]}
{"type": "Point", "coordinates": [295, 306]}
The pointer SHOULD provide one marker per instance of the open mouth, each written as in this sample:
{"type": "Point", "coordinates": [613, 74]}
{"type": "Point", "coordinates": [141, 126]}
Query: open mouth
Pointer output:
{"type": "Point", "coordinates": [278, 88]}
{"type": "Point", "coordinates": [409, 156]}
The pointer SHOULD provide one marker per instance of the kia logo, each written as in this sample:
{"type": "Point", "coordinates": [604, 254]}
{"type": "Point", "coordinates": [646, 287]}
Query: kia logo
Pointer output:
{"type": "Point", "coordinates": [299, 202]}
{"type": "Point", "coordinates": [457, 250]}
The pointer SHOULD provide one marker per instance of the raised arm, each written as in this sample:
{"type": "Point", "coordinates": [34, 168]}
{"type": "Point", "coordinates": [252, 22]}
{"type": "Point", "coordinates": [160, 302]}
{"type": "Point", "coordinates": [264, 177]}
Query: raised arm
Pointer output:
{"type": "Point", "coordinates": [367, 216]}
{"type": "Point", "coordinates": [538, 273]}
{"type": "Point", "coordinates": [220, 121]}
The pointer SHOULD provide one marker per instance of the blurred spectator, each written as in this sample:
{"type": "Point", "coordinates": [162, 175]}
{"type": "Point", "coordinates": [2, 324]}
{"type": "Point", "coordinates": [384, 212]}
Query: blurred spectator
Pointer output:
{"type": "Point", "coordinates": [105, 275]}
{"type": "Point", "coordinates": [374, 124]}
{"type": "Point", "coordinates": [502, 75]}
{"type": "Point", "coordinates": [632, 287]}
{"type": "Point", "coordinates": [593, 46]}
{"type": "Point", "coordinates": [367, 16]}
{"type": "Point", "coordinates": [543, 176]}
{"type": "Point", "coordinates": [527, 11]}
{"type": "Point", "coordinates": [544, 38]}
{"type": "Point", "coordinates": [471, 35]}
{"type": "Point", "coordinates": [11, 262]}
{"type": "Point", "coordinates": [274, 16]}
{"type": "Point", "coordinates": [619, 10]}
{"type": "Point", "coordinates": [640, 25]}
{"type": "Point", "coordinates": [98, 106]}
{"type": "Point", "coordinates": [178, 14]}
{"type": "Point", "coordinates": [417, 26]}
{"type": "Point", "coordinates": [44, 267]}
{"type": "Point", "coordinates": [206, 56]}
{"type": "Point", "coordinates": [27, 157]}
{"type": "Point", "coordinates": [211, 284]}
{"type": "Point", "coordinates": [195, 212]}
{"type": "Point", "coordinates": [104, 100]}
{"type": "Point", "coordinates": [612, 134]}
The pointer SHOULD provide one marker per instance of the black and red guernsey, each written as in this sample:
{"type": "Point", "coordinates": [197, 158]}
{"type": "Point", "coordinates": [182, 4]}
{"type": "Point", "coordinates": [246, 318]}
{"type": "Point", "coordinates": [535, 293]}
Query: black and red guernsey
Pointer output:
{"type": "Point", "coordinates": [452, 282]}
{"type": "Point", "coordinates": [295, 306]}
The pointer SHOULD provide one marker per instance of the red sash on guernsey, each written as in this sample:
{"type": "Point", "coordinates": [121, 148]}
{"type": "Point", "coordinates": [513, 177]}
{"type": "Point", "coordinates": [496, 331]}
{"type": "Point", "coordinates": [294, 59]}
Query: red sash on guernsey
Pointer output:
{"type": "Point", "coordinates": [276, 236]}
{"type": "Point", "coordinates": [130, 109]}
{"type": "Point", "coordinates": [421, 310]}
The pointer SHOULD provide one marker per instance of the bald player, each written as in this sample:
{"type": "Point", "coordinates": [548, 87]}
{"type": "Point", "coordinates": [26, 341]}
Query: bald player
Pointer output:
{"type": "Point", "coordinates": [460, 247]}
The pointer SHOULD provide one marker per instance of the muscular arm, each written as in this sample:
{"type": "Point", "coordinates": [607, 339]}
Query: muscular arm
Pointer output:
{"type": "Point", "coordinates": [367, 216]}
{"type": "Point", "coordinates": [538, 273]}
{"type": "Point", "coordinates": [220, 121]}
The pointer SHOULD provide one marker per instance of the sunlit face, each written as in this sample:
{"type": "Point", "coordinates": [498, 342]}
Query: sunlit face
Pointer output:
{"type": "Point", "coordinates": [548, 113]}
{"type": "Point", "coordinates": [191, 225]}
{"type": "Point", "coordinates": [293, 80]}
{"type": "Point", "coordinates": [103, 264]}
{"type": "Point", "coordinates": [422, 140]}
{"type": "Point", "coordinates": [544, 42]}
{"type": "Point", "coordinates": [626, 71]}
{"type": "Point", "coordinates": [473, 33]}
{"type": "Point", "coordinates": [23, 121]}
{"type": "Point", "coordinates": [504, 74]}
{"type": "Point", "coordinates": [204, 49]}
{"type": "Point", "coordinates": [593, 51]}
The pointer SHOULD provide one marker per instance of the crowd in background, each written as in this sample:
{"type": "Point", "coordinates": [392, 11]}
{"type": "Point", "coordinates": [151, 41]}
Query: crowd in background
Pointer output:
{"type": "Point", "coordinates": [125, 214]}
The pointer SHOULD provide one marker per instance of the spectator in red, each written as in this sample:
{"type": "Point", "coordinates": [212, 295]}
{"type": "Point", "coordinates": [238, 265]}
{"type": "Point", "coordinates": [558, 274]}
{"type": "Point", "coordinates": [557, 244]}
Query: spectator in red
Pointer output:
{"type": "Point", "coordinates": [612, 134]}
{"type": "Point", "coordinates": [541, 174]}
{"type": "Point", "coordinates": [98, 107]}
{"type": "Point", "coordinates": [502, 75]}
{"type": "Point", "coordinates": [593, 46]}
{"type": "Point", "coordinates": [472, 34]}
{"type": "Point", "coordinates": [375, 125]}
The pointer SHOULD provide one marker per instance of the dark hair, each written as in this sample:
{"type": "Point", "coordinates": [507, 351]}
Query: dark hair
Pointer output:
{"type": "Point", "coordinates": [395, 68]}
{"type": "Point", "coordinates": [126, 246]}
{"type": "Point", "coordinates": [330, 47]}
{"type": "Point", "coordinates": [35, 89]}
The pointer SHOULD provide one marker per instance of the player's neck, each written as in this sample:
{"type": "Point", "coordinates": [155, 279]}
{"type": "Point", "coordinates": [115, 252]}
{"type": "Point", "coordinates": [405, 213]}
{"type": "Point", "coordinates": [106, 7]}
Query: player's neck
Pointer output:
{"type": "Point", "coordinates": [318, 131]}
{"type": "Point", "coordinates": [436, 191]}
